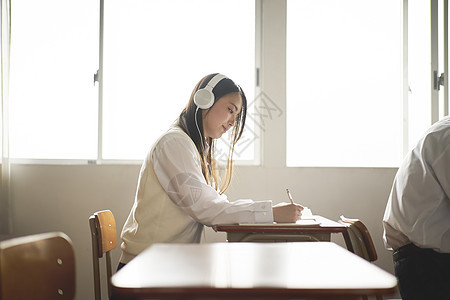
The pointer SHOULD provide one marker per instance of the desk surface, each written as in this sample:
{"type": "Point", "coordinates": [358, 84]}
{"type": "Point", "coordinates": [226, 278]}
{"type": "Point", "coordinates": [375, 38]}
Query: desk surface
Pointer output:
{"type": "Point", "coordinates": [265, 270]}
{"type": "Point", "coordinates": [325, 225]}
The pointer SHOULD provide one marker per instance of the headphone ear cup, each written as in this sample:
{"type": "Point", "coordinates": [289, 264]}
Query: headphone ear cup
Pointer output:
{"type": "Point", "coordinates": [204, 98]}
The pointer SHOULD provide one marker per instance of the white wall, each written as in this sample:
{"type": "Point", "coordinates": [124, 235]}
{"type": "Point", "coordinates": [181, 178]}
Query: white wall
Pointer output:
{"type": "Point", "coordinates": [61, 198]}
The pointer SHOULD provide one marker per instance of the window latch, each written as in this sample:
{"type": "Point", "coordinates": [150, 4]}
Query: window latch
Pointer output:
{"type": "Point", "coordinates": [96, 77]}
{"type": "Point", "coordinates": [438, 81]}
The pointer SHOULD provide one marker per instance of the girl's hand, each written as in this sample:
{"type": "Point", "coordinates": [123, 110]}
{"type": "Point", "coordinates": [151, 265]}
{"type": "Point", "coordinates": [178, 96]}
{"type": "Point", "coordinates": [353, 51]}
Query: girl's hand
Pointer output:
{"type": "Point", "coordinates": [287, 212]}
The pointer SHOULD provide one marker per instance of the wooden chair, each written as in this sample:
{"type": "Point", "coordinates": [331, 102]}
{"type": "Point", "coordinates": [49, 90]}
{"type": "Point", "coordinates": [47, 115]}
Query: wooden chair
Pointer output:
{"type": "Point", "coordinates": [40, 266]}
{"type": "Point", "coordinates": [358, 240]}
{"type": "Point", "coordinates": [104, 239]}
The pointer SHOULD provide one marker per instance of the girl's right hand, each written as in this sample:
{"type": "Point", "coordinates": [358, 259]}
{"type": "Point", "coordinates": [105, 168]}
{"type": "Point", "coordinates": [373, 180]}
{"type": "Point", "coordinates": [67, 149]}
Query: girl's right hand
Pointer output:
{"type": "Point", "coordinates": [287, 212]}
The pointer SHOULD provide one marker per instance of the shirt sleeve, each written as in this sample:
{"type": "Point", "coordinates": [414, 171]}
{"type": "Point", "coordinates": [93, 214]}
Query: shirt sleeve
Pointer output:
{"type": "Point", "coordinates": [177, 165]}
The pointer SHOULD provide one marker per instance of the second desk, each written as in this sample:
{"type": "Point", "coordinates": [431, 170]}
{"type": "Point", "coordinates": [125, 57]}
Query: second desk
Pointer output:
{"type": "Point", "coordinates": [314, 228]}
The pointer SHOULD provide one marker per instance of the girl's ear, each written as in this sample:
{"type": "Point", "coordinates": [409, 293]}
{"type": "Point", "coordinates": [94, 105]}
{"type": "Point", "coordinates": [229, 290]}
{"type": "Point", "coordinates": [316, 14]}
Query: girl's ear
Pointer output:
{"type": "Point", "coordinates": [205, 112]}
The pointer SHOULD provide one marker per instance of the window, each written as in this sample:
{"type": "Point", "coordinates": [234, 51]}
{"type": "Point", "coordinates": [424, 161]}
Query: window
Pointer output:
{"type": "Point", "coordinates": [155, 52]}
{"type": "Point", "coordinates": [344, 83]}
{"type": "Point", "coordinates": [54, 54]}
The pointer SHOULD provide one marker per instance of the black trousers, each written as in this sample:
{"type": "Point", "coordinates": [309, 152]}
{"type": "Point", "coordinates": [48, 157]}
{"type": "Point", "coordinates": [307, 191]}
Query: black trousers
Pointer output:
{"type": "Point", "coordinates": [422, 273]}
{"type": "Point", "coordinates": [120, 266]}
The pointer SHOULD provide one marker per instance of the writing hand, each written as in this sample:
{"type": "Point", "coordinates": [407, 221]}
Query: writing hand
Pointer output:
{"type": "Point", "coordinates": [287, 212]}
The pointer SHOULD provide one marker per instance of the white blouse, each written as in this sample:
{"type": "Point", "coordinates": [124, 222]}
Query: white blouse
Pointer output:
{"type": "Point", "coordinates": [177, 166]}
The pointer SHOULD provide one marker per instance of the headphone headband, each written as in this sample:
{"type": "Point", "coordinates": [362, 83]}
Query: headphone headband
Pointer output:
{"type": "Point", "coordinates": [215, 80]}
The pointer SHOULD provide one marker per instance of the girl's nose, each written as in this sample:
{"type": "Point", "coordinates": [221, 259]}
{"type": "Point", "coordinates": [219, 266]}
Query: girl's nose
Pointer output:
{"type": "Point", "coordinates": [231, 122]}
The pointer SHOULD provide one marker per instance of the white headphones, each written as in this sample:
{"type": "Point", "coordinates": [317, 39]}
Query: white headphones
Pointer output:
{"type": "Point", "coordinates": [204, 98]}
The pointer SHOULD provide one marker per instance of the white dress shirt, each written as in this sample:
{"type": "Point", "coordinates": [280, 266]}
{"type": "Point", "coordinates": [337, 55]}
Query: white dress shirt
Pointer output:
{"type": "Point", "coordinates": [418, 209]}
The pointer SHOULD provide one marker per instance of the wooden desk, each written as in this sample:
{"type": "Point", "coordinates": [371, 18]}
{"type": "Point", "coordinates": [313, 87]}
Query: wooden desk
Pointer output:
{"type": "Point", "coordinates": [282, 232]}
{"type": "Point", "coordinates": [245, 270]}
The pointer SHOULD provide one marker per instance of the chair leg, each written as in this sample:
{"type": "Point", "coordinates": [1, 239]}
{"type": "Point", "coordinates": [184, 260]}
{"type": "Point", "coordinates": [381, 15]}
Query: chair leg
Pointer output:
{"type": "Point", "coordinates": [95, 263]}
{"type": "Point", "coordinates": [108, 272]}
{"type": "Point", "coordinates": [348, 241]}
{"type": "Point", "coordinates": [96, 279]}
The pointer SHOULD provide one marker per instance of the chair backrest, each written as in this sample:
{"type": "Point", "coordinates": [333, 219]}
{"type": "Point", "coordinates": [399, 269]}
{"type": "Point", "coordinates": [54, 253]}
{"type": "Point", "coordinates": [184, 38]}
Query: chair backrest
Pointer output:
{"type": "Point", "coordinates": [104, 239]}
{"type": "Point", "coordinates": [358, 239]}
{"type": "Point", "coordinates": [40, 266]}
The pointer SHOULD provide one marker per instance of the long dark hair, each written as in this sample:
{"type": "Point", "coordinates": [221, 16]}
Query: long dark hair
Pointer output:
{"type": "Point", "coordinates": [187, 122]}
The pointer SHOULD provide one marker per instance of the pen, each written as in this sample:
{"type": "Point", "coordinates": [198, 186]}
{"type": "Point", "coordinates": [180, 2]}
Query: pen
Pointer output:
{"type": "Point", "coordinates": [289, 196]}
{"type": "Point", "coordinates": [292, 200]}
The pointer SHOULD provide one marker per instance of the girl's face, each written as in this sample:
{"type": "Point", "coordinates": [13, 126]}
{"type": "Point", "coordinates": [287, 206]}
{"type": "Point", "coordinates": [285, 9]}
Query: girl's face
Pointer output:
{"type": "Point", "coordinates": [222, 115]}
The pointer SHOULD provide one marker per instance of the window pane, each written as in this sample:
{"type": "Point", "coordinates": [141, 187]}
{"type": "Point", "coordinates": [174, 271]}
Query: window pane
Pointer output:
{"type": "Point", "coordinates": [344, 100]}
{"type": "Point", "coordinates": [419, 69]}
{"type": "Point", "coordinates": [54, 54]}
{"type": "Point", "coordinates": [154, 54]}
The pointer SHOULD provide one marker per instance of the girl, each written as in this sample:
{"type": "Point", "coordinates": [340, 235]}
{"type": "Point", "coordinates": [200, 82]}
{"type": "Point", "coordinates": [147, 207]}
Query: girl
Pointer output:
{"type": "Point", "coordinates": [179, 190]}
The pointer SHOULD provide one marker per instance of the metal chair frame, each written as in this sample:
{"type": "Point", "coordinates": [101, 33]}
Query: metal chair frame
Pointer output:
{"type": "Point", "coordinates": [104, 239]}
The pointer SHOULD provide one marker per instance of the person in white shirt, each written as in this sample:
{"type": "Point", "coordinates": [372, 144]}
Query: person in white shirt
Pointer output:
{"type": "Point", "coordinates": [417, 217]}
{"type": "Point", "coordinates": [179, 190]}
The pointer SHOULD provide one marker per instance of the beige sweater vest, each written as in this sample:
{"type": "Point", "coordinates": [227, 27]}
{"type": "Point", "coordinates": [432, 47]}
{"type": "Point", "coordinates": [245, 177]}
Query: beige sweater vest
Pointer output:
{"type": "Point", "coordinates": [154, 217]}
